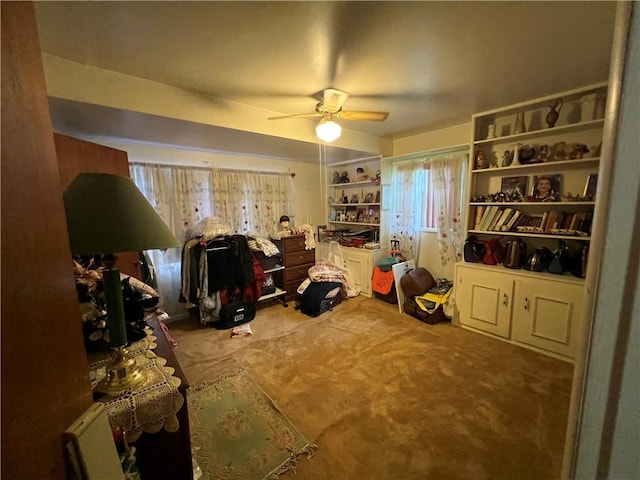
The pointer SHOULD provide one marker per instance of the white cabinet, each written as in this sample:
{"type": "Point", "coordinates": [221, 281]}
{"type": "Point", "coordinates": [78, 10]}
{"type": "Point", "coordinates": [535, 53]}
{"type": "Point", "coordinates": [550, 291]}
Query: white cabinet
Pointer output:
{"type": "Point", "coordinates": [546, 314]}
{"type": "Point", "coordinates": [484, 301]}
{"type": "Point", "coordinates": [359, 261]}
{"type": "Point", "coordinates": [541, 311]}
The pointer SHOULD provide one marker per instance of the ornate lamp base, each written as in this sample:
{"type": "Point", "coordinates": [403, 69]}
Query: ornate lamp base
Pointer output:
{"type": "Point", "coordinates": [122, 373]}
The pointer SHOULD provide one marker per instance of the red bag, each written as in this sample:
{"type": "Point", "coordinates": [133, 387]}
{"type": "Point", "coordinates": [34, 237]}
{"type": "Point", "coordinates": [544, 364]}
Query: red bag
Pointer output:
{"type": "Point", "coordinates": [493, 254]}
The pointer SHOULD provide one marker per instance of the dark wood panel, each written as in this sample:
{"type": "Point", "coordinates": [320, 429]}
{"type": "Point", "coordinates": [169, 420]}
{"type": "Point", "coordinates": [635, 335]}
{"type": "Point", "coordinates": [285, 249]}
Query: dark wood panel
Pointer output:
{"type": "Point", "coordinates": [45, 379]}
{"type": "Point", "coordinates": [79, 156]}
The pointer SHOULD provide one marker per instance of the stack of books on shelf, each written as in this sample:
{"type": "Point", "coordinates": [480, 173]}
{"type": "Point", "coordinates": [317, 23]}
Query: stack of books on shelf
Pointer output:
{"type": "Point", "coordinates": [558, 222]}
{"type": "Point", "coordinates": [496, 219]}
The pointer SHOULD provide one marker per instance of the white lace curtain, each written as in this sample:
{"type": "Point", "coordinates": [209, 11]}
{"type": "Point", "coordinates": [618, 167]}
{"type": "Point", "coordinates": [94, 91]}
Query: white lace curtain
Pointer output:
{"type": "Point", "coordinates": [246, 200]}
{"type": "Point", "coordinates": [448, 172]}
{"type": "Point", "coordinates": [408, 204]}
{"type": "Point", "coordinates": [421, 185]}
{"type": "Point", "coordinates": [252, 201]}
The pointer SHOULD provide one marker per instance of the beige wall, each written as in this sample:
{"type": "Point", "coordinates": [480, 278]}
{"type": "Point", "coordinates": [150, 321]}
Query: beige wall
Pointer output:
{"type": "Point", "coordinates": [308, 208]}
{"type": "Point", "coordinates": [440, 138]}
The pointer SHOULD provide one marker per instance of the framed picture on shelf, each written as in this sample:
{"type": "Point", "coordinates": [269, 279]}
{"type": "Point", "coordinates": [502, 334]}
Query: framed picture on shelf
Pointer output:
{"type": "Point", "coordinates": [591, 187]}
{"type": "Point", "coordinates": [368, 198]}
{"type": "Point", "coordinates": [354, 198]}
{"type": "Point", "coordinates": [377, 199]}
{"type": "Point", "coordinates": [514, 188]}
{"type": "Point", "coordinates": [546, 188]}
{"type": "Point", "coordinates": [340, 216]}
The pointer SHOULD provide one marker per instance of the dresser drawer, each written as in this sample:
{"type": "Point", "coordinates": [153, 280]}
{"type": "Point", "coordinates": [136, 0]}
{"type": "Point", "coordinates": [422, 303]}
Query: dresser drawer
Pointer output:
{"type": "Point", "coordinates": [299, 258]}
{"type": "Point", "coordinates": [293, 244]}
{"type": "Point", "coordinates": [298, 272]}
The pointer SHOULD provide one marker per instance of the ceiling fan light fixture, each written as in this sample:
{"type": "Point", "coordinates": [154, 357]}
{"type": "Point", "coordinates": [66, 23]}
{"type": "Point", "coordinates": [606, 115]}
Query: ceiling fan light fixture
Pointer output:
{"type": "Point", "coordinates": [328, 130]}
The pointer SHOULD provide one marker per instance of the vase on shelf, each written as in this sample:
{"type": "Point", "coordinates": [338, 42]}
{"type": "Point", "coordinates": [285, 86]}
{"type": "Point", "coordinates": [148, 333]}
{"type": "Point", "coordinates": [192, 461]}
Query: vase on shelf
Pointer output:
{"type": "Point", "coordinates": [519, 126]}
{"type": "Point", "coordinates": [554, 113]}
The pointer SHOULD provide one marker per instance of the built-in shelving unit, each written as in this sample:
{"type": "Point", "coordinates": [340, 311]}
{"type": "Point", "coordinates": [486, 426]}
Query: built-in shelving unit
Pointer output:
{"type": "Point", "coordinates": [506, 201]}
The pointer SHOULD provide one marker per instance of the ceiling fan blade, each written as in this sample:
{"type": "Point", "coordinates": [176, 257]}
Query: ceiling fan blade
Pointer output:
{"type": "Point", "coordinates": [332, 99]}
{"type": "Point", "coordinates": [297, 115]}
{"type": "Point", "coordinates": [362, 115]}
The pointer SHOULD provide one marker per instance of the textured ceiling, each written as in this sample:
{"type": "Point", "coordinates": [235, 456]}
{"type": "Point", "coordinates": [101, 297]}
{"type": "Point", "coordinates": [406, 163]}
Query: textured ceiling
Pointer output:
{"type": "Point", "coordinates": [430, 64]}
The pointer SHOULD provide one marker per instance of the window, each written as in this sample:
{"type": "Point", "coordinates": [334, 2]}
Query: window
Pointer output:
{"type": "Point", "coordinates": [426, 195]}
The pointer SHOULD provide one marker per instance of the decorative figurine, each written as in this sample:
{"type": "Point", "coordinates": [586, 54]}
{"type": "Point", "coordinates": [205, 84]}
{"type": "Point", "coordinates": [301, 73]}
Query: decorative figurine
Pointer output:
{"type": "Point", "coordinates": [481, 160]}
{"type": "Point", "coordinates": [360, 175]}
{"type": "Point", "coordinates": [578, 151]}
{"type": "Point", "coordinates": [336, 178]}
{"type": "Point", "coordinates": [507, 158]}
{"type": "Point", "coordinates": [543, 154]}
{"type": "Point", "coordinates": [554, 113]}
{"type": "Point", "coordinates": [344, 178]}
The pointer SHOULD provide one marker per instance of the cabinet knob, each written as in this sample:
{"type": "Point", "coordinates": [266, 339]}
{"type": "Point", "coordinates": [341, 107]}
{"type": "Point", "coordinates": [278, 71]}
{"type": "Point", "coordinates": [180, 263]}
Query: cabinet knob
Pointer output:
{"type": "Point", "coordinates": [526, 304]}
{"type": "Point", "coordinates": [505, 299]}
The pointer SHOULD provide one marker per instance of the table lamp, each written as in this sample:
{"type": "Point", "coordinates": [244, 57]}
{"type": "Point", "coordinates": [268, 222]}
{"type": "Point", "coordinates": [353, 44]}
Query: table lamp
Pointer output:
{"type": "Point", "coordinates": [106, 214]}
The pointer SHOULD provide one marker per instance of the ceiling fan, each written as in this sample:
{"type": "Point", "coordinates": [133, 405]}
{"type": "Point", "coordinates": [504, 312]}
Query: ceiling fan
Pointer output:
{"type": "Point", "coordinates": [330, 107]}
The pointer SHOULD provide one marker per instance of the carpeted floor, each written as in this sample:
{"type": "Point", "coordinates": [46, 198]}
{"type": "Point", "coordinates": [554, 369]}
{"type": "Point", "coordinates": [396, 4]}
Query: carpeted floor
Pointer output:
{"type": "Point", "coordinates": [384, 396]}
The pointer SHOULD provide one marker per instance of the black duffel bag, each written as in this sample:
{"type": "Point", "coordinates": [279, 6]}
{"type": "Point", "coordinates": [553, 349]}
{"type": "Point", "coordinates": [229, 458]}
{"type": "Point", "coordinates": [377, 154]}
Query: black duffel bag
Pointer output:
{"type": "Point", "coordinates": [236, 312]}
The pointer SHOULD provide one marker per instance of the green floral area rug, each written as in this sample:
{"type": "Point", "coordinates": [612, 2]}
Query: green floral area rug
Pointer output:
{"type": "Point", "coordinates": [238, 433]}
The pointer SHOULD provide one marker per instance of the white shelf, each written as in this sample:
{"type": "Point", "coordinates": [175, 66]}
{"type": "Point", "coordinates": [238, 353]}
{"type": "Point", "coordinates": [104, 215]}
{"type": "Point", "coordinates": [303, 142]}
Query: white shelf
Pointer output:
{"type": "Point", "coordinates": [279, 292]}
{"type": "Point", "coordinates": [581, 162]}
{"type": "Point", "coordinates": [532, 235]}
{"type": "Point", "coordinates": [357, 223]}
{"type": "Point", "coordinates": [354, 204]}
{"type": "Point", "coordinates": [546, 205]}
{"type": "Point", "coordinates": [274, 269]}
{"type": "Point", "coordinates": [364, 182]}
{"type": "Point", "coordinates": [574, 127]}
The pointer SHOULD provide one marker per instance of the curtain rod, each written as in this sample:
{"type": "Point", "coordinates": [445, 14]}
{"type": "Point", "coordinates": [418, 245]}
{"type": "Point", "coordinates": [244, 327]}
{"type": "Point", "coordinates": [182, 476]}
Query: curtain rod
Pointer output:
{"type": "Point", "coordinates": [236, 170]}
{"type": "Point", "coordinates": [426, 153]}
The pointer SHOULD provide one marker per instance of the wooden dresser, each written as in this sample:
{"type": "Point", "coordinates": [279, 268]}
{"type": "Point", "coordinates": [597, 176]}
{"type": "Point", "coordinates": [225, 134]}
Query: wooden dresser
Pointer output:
{"type": "Point", "coordinates": [296, 261]}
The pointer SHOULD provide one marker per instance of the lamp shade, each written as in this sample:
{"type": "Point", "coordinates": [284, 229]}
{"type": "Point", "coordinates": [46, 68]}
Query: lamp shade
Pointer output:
{"type": "Point", "coordinates": [107, 214]}
{"type": "Point", "coordinates": [328, 130]}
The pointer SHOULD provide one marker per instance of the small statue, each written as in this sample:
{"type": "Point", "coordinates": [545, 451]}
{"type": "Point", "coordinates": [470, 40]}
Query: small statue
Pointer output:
{"type": "Point", "coordinates": [543, 154]}
{"type": "Point", "coordinates": [481, 160]}
{"type": "Point", "coordinates": [578, 151]}
{"type": "Point", "coordinates": [360, 175]}
{"type": "Point", "coordinates": [554, 113]}
{"type": "Point", "coordinates": [507, 158]}
{"type": "Point", "coordinates": [336, 178]}
{"type": "Point", "coordinates": [344, 178]}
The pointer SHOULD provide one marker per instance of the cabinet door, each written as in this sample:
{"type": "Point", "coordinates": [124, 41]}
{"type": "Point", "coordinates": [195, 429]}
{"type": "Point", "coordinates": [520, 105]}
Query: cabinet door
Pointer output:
{"type": "Point", "coordinates": [358, 262]}
{"type": "Point", "coordinates": [547, 315]}
{"type": "Point", "coordinates": [484, 300]}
